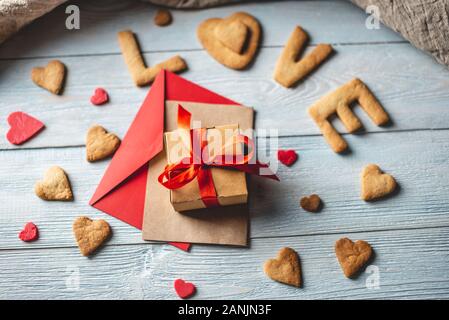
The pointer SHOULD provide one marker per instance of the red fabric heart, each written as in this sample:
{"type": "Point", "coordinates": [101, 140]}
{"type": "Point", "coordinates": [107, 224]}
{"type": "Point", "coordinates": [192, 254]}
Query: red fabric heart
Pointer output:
{"type": "Point", "coordinates": [23, 127]}
{"type": "Point", "coordinates": [29, 233]}
{"type": "Point", "coordinates": [287, 157]}
{"type": "Point", "coordinates": [184, 289]}
{"type": "Point", "coordinates": [100, 97]}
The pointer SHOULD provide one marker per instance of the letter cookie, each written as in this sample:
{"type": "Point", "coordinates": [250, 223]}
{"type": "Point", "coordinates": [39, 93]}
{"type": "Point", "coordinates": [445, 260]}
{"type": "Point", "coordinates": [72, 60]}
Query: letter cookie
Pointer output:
{"type": "Point", "coordinates": [288, 69]}
{"type": "Point", "coordinates": [338, 102]}
{"type": "Point", "coordinates": [142, 75]}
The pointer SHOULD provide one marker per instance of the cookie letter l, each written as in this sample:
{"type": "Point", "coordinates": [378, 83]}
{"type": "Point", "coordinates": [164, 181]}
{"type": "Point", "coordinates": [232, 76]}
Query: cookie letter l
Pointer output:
{"type": "Point", "coordinates": [142, 75]}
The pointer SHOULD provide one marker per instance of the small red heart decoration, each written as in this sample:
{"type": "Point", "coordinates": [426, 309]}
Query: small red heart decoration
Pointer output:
{"type": "Point", "coordinates": [100, 97]}
{"type": "Point", "coordinates": [184, 289]}
{"type": "Point", "coordinates": [23, 127]}
{"type": "Point", "coordinates": [287, 157]}
{"type": "Point", "coordinates": [29, 232]}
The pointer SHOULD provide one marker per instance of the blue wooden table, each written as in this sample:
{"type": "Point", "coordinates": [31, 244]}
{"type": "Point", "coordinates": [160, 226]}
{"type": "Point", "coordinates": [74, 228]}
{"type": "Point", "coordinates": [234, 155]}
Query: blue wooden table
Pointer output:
{"type": "Point", "coordinates": [409, 232]}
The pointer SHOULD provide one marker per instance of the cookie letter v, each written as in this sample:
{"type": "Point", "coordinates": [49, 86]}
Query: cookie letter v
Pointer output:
{"type": "Point", "coordinates": [288, 70]}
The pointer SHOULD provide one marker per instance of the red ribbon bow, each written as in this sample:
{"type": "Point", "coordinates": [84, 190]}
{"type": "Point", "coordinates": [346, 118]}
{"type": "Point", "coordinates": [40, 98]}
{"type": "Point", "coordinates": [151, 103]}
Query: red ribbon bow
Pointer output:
{"type": "Point", "coordinates": [178, 175]}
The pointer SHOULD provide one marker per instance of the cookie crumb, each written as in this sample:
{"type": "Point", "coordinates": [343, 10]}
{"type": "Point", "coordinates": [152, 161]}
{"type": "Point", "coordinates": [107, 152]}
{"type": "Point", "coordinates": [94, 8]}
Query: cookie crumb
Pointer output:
{"type": "Point", "coordinates": [163, 18]}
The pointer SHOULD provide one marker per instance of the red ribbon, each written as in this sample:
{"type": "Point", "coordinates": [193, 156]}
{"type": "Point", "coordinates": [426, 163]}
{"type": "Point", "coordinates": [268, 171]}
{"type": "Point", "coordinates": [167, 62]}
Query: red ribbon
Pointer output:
{"type": "Point", "coordinates": [178, 175]}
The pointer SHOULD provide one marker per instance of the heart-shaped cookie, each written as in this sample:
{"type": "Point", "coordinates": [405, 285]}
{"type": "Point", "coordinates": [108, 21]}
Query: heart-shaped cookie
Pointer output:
{"type": "Point", "coordinates": [90, 234]}
{"type": "Point", "coordinates": [54, 186]}
{"type": "Point", "coordinates": [99, 97]}
{"type": "Point", "coordinates": [285, 268]}
{"type": "Point", "coordinates": [287, 157]}
{"type": "Point", "coordinates": [232, 41]}
{"type": "Point", "coordinates": [376, 184]}
{"type": "Point", "coordinates": [50, 77]}
{"type": "Point", "coordinates": [184, 289]}
{"type": "Point", "coordinates": [23, 127]}
{"type": "Point", "coordinates": [232, 34]}
{"type": "Point", "coordinates": [352, 256]}
{"type": "Point", "coordinates": [100, 144]}
{"type": "Point", "coordinates": [311, 203]}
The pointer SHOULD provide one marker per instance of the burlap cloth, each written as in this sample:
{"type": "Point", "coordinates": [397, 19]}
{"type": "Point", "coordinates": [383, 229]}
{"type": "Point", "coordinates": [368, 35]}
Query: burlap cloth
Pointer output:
{"type": "Point", "coordinates": [14, 14]}
{"type": "Point", "coordinates": [425, 23]}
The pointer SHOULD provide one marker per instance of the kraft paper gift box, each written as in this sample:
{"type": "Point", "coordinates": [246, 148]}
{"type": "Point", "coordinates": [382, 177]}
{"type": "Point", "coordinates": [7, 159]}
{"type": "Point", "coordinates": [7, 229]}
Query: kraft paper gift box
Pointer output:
{"type": "Point", "coordinates": [230, 185]}
{"type": "Point", "coordinates": [129, 189]}
{"type": "Point", "coordinates": [227, 225]}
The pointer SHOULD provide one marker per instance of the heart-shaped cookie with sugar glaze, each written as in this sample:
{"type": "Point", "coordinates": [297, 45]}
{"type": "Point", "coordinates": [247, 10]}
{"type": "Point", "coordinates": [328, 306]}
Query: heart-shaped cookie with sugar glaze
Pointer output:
{"type": "Point", "coordinates": [50, 77]}
{"type": "Point", "coordinates": [232, 41]}
{"type": "Point", "coordinates": [376, 184]}
{"type": "Point", "coordinates": [285, 268]}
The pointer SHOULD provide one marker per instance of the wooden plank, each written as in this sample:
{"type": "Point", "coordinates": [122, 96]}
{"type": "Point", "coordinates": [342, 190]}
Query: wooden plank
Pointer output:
{"type": "Point", "coordinates": [418, 160]}
{"type": "Point", "coordinates": [414, 93]}
{"type": "Point", "coordinates": [105, 18]}
{"type": "Point", "coordinates": [411, 264]}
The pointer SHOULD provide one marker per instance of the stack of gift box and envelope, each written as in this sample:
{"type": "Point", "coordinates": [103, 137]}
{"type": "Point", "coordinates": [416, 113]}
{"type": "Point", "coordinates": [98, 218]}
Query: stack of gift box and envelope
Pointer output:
{"type": "Point", "coordinates": [180, 174]}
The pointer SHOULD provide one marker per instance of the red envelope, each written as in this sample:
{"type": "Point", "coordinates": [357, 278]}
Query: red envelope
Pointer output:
{"type": "Point", "coordinates": [121, 192]}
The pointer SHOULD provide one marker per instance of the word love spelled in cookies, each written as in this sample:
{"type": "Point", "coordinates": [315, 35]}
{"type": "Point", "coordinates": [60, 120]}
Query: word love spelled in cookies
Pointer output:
{"type": "Point", "coordinates": [352, 256]}
{"type": "Point", "coordinates": [285, 268]}
{"type": "Point", "coordinates": [338, 102]}
{"type": "Point", "coordinates": [55, 186]}
{"type": "Point", "coordinates": [232, 41]}
{"type": "Point", "coordinates": [100, 144]}
{"type": "Point", "coordinates": [90, 234]}
{"type": "Point", "coordinates": [289, 69]}
{"type": "Point", "coordinates": [376, 184]}
{"type": "Point", "coordinates": [50, 77]}
{"type": "Point", "coordinates": [133, 58]}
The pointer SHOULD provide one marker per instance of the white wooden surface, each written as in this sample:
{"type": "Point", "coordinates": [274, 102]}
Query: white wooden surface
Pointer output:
{"type": "Point", "coordinates": [409, 232]}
